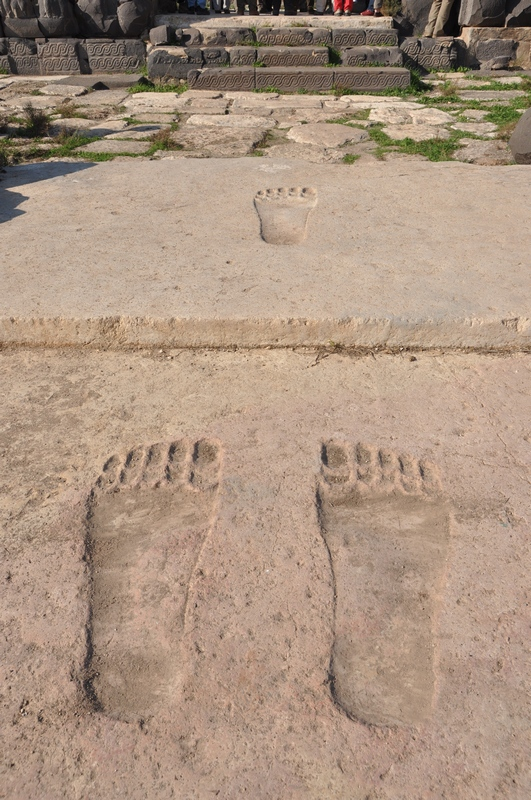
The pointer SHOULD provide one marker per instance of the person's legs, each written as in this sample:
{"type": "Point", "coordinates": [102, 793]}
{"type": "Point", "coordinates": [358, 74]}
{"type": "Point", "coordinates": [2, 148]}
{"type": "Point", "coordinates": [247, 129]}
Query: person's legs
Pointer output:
{"type": "Point", "coordinates": [338, 7]}
{"type": "Point", "coordinates": [432, 19]}
{"type": "Point", "coordinates": [442, 17]}
{"type": "Point", "coordinates": [320, 6]}
{"type": "Point", "coordinates": [347, 7]}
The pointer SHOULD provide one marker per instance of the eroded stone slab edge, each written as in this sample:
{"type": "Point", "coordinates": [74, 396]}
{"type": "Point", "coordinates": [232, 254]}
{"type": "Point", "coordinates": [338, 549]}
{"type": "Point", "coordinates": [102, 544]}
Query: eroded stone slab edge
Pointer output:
{"type": "Point", "coordinates": [117, 333]}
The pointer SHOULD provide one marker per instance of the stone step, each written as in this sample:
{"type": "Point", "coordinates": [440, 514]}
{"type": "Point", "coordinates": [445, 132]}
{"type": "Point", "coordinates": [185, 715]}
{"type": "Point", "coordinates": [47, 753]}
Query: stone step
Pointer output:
{"type": "Point", "coordinates": [292, 79]}
{"type": "Point", "coordinates": [266, 21]}
{"type": "Point", "coordinates": [276, 37]}
{"type": "Point", "coordinates": [175, 62]}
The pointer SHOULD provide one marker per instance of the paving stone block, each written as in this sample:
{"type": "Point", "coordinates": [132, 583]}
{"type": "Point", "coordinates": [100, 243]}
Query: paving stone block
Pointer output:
{"type": "Point", "coordinates": [293, 56]}
{"type": "Point", "coordinates": [358, 56]}
{"type": "Point", "coordinates": [173, 62]}
{"type": "Point", "coordinates": [162, 34]}
{"type": "Point", "coordinates": [227, 37]}
{"type": "Point", "coordinates": [291, 79]}
{"type": "Point", "coordinates": [59, 56]}
{"type": "Point", "coordinates": [23, 59]}
{"type": "Point", "coordinates": [284, 37]}
{"type": "Point", "coordinates": [495, 53]}
{"type": "Point", "coordinates": [234, 79]}
{"type": "Point", "coordinates": [215, 56]}
{"type": "Point", "coordinates": [348, 37]}
{"type": "Point", "coordinates": [242, 56]}
{"type": "Point", "coordinates": [115, 147]}
{"type": "Point", "coordinates": [381, 37]}
{"type": "Point", "coordinates": [371, 79]}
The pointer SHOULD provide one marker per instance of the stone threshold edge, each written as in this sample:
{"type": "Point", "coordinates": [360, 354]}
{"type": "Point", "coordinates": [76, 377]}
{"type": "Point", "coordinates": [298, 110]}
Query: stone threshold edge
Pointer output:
{"type": "Point", "coordinates": [121, 333]}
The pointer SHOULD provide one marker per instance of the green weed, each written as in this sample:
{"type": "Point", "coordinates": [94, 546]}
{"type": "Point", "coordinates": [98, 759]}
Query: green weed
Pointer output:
{"type": "Point", "coordinates": [350, 158]}
{"type": "Point", "coordinates": [35, 123]}
{"type": "Point", "coordinates": [148, 86]}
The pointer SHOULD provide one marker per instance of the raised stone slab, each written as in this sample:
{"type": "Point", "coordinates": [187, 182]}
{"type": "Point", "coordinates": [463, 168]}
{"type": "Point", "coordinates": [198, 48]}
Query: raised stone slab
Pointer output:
{"type": "Point", "coordinates": [429, 54]}
{"type": "Point", "coordinates": [71, 56]}
{"type": "Point", "coordinates": [199, 278]}
{"type": "Point", "coordinates": [173, 62]}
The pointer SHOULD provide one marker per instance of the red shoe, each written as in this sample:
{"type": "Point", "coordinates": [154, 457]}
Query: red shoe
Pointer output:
{"type": "Point", "coordinates": [367, 13]}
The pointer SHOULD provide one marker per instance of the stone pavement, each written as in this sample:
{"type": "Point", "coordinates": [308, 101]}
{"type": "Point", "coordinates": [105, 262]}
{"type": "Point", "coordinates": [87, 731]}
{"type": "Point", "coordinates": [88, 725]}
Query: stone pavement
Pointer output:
{"type": "Point", "coordinates": [217, 680]}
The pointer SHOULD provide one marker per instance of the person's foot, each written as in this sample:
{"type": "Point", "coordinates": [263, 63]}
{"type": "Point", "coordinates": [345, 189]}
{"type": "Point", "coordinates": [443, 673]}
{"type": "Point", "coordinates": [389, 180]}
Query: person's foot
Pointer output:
{"type": "Point", "coordinates": [191, 9]}
{"type": "Point", "coordinates": [225, 10]}
{"type": "Point", "coordinates": [367, 13]}
{"type": "Point", "coordinates": [338, 13]}
{"type": "Point", "coordinates": [378, 14]}
{"type": "Point", "coordinates": [203, 12]}
{"type": "Point", "coordinates": [348, 13]}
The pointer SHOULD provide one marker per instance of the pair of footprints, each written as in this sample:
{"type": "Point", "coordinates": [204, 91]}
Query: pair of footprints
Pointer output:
{"type": "Point", "coordinates": [385, 523]}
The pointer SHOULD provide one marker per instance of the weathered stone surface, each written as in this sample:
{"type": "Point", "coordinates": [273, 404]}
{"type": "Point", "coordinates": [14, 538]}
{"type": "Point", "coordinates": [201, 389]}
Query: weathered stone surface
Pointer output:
{"type": "Point", "coordinates": [173, 62]}
{"type": "Point", "coordinates": [115, 56]}
{"type": "Point", "coordinates": [160, 102]}
{"type": "Point", "coordinates": [417, 132]}
{"type": "Point", "coordinates": [321, 37]}
{"type": "Point", "coordinates": [214, 56]}
{"type": "Point", "coordinates": [58, 56]}
{"type": "Point", "coordinates": [371, 80]}
{"type": "Point", "coordinates": [284, 37]}
{"type": "Point", "coordinates": [325, 134]}
{"type": "Point", "coordinates": [22, 56]}
{"type": "Point", "coordinates": [135, 132]}
{"type": "Point", "coordinates": [488, 154]}
{"type": "Point", "coordinates": [218, 142]}
{"type": "Point", "coordinates": [482, 13]}
{"type": "Point", "coordinates": [501, 96]}
{"type": "Point", "coordinates": [188, 37]}
{"type": "Point", "coordinates": [429, 53]}
{"type": "Point", "coordinates": [520, 141]}
{"type": "Point", "coordinates": [290, 79]}
{"type": "Point", "coordinates": [292, 56]}
{"type": "Point", "coordinates": [70, 124]}
{"type": "Point", "coordinates": [487, 129]}
{"type": "Point", "coordinates": [416, 13]}
{"type": "Point", "coordinates": [470, 37]}
{"type": "Point", "coordinates": [345, 37]}
{"type": "Point", "coordinates": [381, 37]}
{"type": "Point", "coordinates": [496, 53]}
{"type": "Point", "coordinates": [19, 18]}
{"type": "Point", "coordinates": [134, 16]}
{"type": "Point", "coordinates": [98, 19]}
{"type": "Point", "coordinates": [226, 37]}
{"type": "Point", "coordinates": [162, 34]}
{"type": "Point", "coordinates": [57, 18]}
{"type": "Point", "coordinates": [200, 105]}
{"type": "Point", "coordinates": [518, 14]}
{"type": "Point", "coordinates": [115, 147]}
{"type": "Point", "coordinates": [234, 78]}
{"type": "Point", "coordinates": [242, 56]}
{"type": "Point", "coordinates": [230, 121]}
{"type": "Point", "coordinates": [63, 90]}
{"type": "Point", "coordinates": [358, 56]}
{"type": "Point", "coordinates": [409, 113]}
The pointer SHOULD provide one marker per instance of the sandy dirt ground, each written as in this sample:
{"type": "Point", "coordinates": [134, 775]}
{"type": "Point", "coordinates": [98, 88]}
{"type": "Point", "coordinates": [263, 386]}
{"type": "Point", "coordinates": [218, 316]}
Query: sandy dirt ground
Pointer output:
{"type": "Point", "coordinates": [264, 575]}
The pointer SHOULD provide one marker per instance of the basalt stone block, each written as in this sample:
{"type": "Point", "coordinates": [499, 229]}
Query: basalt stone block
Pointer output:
{"type": "Point", "coordinates": [291, 79]}
{"type": "Point", "coordinates": [215, 56]}
{"type": "Point", "coordinates": [429, 53]}
{"type": "Point", "coordinates": [22, 27]}
{"type": "Point", "coordinates": [57, 18]}
{"type": "Point", "coordinates": [173, 62]}
{"type": "Point", "coordinates": [242, 56]}
{"type": "Point", "coordinates": [358, 56]}
{"type": "Point", "coordinates": [162, 34]}
{"type": "Point", "coordinates": [227, 37]}
{"type": "Point", "coordinates": [321, 37]}
{"type": "Point", "coordinates": [5, 66]}
{"type": "Point", "coordinates": [377, 37]}
{"type": "Point", "coordinates": [58, 56]}
{"type": "Point", "coordinates": [188, 37]}
{"type": "Point", "coordinates": [518, 14]}
{"type": "Point", "coordinates": [235, 79]}
{"type": "Point", "coordinates": [120, 55]}
{"type": "Point", "coordinates": [495, 53]}
{"type": "Point", "coordinates": [348, 37]}
{"type": "Point", "coordinates": [133, 16]}
{"type": "Point", "coordinates": [371, 79]}
{"type": "Point", "coordinates": [98, 18]}
{"type": "Point", "coordinates": [482, 13]}
{"type": "Point", "coordinates": [293, 56]}
{"type": "Point", "coordinates": [4, 47]}
{"type": "Point", "coordinates": [23, 58]}
{"type": "Point", "coordinates": [415, 15]}
{"type": "Point", "coordinates": [284, 37]}
{"type": "Point", "coordinates": [520, 141]}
